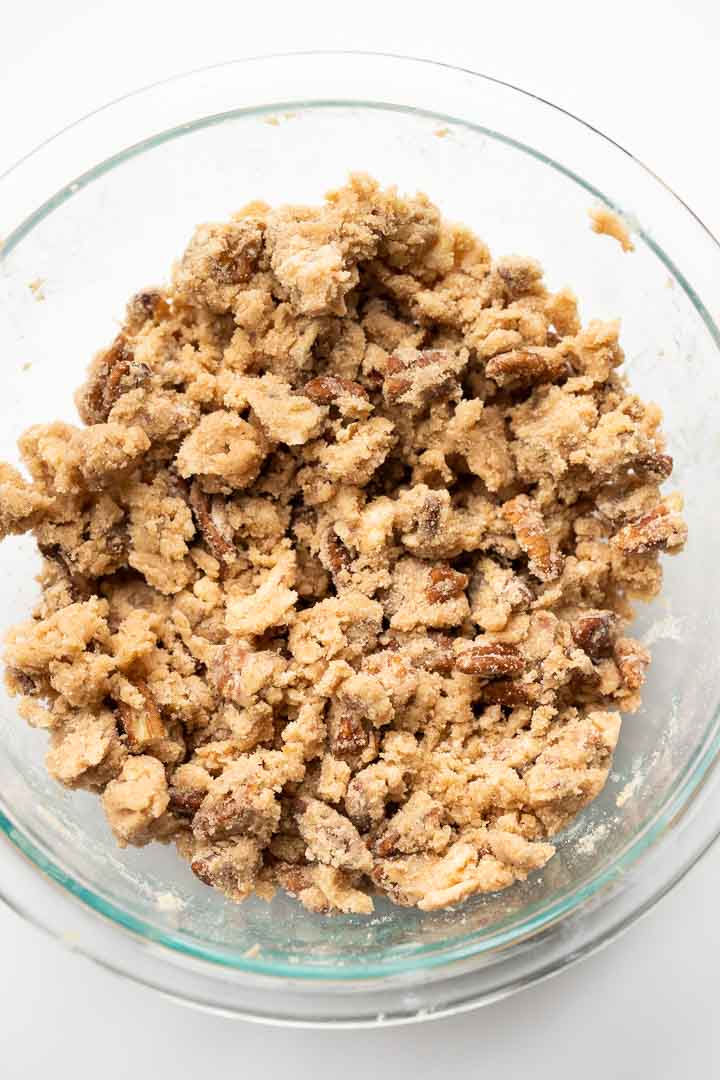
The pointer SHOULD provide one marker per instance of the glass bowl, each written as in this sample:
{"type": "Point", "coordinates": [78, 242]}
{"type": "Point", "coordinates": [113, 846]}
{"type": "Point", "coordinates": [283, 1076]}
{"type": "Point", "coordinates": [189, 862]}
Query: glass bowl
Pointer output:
{"type": "Point", "coordinates": [100, 211]}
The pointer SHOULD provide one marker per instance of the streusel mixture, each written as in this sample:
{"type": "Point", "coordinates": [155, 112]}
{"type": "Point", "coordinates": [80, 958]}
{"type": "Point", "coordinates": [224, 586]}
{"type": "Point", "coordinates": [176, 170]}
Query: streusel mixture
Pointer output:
{"type": "Point", "coordinates": [337, 574]}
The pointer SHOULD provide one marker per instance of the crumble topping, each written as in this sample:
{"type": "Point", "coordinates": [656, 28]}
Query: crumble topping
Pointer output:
{"type": "Point", "coordinates": [337, 576]}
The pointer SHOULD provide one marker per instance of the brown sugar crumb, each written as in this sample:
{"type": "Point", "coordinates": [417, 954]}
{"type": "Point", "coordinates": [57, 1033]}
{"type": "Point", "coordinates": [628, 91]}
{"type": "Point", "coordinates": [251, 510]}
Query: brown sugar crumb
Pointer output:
{"type": "Point", "coordinates": [336, 576]}
{"type": "Point", "coordinates": [36, 287]}
{"type": "Point", "coordinates": [608, 223]}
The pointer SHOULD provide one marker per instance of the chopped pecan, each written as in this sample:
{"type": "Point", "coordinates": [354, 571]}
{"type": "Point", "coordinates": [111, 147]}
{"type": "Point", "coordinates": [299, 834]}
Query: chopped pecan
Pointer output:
{"type": "Point", "coordinates": [185, 803]}
{"type": "Point", "coordinates": [658, 530]}
{"type": "Point", "coordinates": [398, 363]}
{"type": "Point", "coordinates": [230, 866]}
{"type": "Point", "coordinates": [335, 555]}
{"type": "Point", "coordinates": [20, 681]}
{"type": "Point", "coordinates": [593, 633]}
{"type": "Point", "coordinates": [429, 518]}
{"type": "Point", "coordinates": [445, 584]}
{"type": "Point", "coordinates": [211, 519]}
{"type": "Point", "coordinates": [80, 586]}
{"type": "Point", "coordinates": [490, 661]}
{"type": "Point", "coordinates": [656, 467]}
{"type": "Point", "coordinates": [632, 660]}
{"type": "Point", "coordinates": [227, 668]}
{"type": "Point", "coordinates": [420, 825]}
{"type": "Point", "coordinates": [532, 536]}
{"type": "Point", "coordinates": [507, 692]}
{"type": "Point", "coordinates": [526, 367]}
{"type": "Point", "coordinates": [144, 725]}
{"type": "Point", "coordinates": [332, 838]}
{"type": "Point", "coordinates": [401, 376]}
{"type": "Point", "coordinates": [113, 373]}
{"type": "Point", "coordinates": [238, 805]}
{"type": "Point", "coordinates": [148, 304]}
{"type": "Point", "coordinates": [331, 389]}
{"type": "Point", "coordinates": [294, 879]}
{"type": "Point", "coordinates": [202, 869]}
{"type": "Point", "coordinates": [440, 657]}
{"type": "Point", "coordinates": [348, 733]}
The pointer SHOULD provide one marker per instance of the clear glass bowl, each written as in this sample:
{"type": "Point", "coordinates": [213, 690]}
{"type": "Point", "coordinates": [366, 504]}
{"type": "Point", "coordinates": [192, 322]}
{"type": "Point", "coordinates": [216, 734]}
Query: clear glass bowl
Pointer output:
{"type": "Point", "coordinates": [101, 210]}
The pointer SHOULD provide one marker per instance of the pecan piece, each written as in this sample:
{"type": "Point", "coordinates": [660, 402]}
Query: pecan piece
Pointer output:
{"type": "Point", "coordinates": [445, 584]}
{"type": "Point", "coordinates": [241, 802]}
{"type": "Point", "coordinates": [332, 838]}
{"type": "Point", "coordinates": [228, 666]}
{"type": "Point", "coordinates": [334, 555]}
{"type": "Point", "coordinates": [148, 304]}
{"type": "Point", "coordinates": [407, 373]}
{"type": "Point", "coordinates": [632, 660]}
{"type": "Point", "coordinates": [655, 466]}
{"type": "Point", "coordinates": [19, 681]}
{"type": "Point", "coordinates": [525, 367]}
{"type": "Point", "coordinates": [144, 725]}
{"type": "Point", "coordinates": [593, 633]}
{"type": "Point", "coordinates": [532, 536]}
{"type": "Point", "coordinates": [440, 657]}
{"type": "Point", "coordinates": [491, 660]}
{"type": "Point", "coordinates": [348, 727]}
{"type": "Point", "coordinates": [231, 866]}
{"type": "Point", "coordinates": [349, 397]}
{"type": "Point", "coordinates": [187, 788]}
{"type": "Point", "coordinates": [658, 530]}
{"type": "Point", "coordinates": [113, 373]}
{"type": "Point", "coordinates": [429, 518]}
{"type": "Point", "coordinates": [420, 825]}
{"type": "Point", "coordinates": [507, 692]}
{"type": "Point", "coordinates": [211, 519]}
{"type": "Point", "coordinates": [79, 586]}
{"type": "Point", "coordinates": [186, 803]}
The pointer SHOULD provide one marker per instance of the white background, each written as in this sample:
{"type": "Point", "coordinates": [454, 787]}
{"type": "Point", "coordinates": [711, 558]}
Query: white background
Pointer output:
{"type": "Point", "coordinates": [644, 71]}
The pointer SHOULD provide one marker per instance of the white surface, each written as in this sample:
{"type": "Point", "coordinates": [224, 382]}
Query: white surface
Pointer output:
{"type": "Point", "coordinates": [647, 74]}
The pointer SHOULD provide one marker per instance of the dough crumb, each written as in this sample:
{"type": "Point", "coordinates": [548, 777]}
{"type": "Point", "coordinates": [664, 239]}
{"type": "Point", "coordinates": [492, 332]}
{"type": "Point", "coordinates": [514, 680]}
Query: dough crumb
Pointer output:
{"type": "Point", "coordinates": [608, 223]}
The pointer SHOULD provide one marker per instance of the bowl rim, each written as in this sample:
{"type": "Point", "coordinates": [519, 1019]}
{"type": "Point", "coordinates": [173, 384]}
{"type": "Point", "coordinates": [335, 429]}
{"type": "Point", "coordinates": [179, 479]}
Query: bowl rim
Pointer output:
{"type": "Point", "coordinates": [697, 770]}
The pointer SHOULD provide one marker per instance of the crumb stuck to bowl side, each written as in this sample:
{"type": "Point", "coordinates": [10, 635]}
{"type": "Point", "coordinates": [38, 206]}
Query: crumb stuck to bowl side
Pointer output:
{"type": "Point", "coordinates": [337, 576]}
{"type": "Point", "coordinates": [606, 222]}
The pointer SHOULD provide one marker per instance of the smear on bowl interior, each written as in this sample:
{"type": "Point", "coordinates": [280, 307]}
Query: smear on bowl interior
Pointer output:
{"type": "Point", "coordinates": [337, 576]}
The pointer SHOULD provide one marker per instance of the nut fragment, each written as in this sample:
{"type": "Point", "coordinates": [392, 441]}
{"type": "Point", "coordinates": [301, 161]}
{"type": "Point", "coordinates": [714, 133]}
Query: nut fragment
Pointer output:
{"type": "Point", "coordinates": [632, 660]}
{"type": "Point", "coordinates": [656, 467]}
{"type": "Point", "coordinates": [658, 530]}
{"type": "Point", "coordinates": [335, 554]}
{"type": "Point", "coordinates": [80, 586]}
{"type": "Point", "coordinates": [348, 733]}
{"type": "Point", "coordinates": [416, 377]}
{"type": "Point", "coordinates": [593, 633]}
{"type": "Point", "coordinates": [332, 838]}
{"type": "Point", "coordinates": [506, 692]}
{"type": "Point", "coordinates": [532, 536]}
{"type": "Point", "coordinates": [350, 397]}
{"type": "Point", "coordinates": [142, 725]}
{"type": "Point", "coordinates": [148, 304]}
{"type": "Point", "coordinates": [112, 374]}
{"type": "Point", "coordinates": [211, 519]}
{"type": "Point", "coordinates": [445, 584]}
{"type": "Point", "coordinates": [226, 672]}
{"type": "Point", "coordinates": [527, 367]}
{"type": "Point", "coordinates": [490, 661]}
